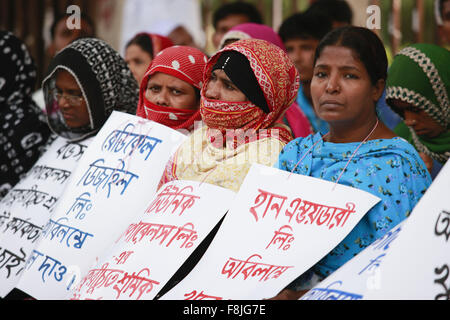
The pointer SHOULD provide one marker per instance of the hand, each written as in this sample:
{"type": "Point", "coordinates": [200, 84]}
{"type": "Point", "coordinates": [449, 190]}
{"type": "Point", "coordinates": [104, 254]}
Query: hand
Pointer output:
{"type": "Point", "coordinates": [288, 294]}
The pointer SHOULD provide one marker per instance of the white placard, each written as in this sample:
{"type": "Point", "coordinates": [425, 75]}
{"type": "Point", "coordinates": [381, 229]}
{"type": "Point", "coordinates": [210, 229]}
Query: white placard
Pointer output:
{"type": "Point", "coordinates": [157, 243]}
{"type": "Point", "coordinates": [418, 264]}
{"type": "Point", "coordinates": [412, 261]}
{"type": "Point", "coordinates": [362, 273]}
{"type": "Point", "coordinates": [26, 209]}
{"type": "Point", "coordinates": [278, 227]}
{"type": "Point", "coordinates": [119, 172]}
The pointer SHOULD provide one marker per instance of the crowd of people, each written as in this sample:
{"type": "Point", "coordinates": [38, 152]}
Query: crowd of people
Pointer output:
{"type": "Point", "coordinates": [316, 97]}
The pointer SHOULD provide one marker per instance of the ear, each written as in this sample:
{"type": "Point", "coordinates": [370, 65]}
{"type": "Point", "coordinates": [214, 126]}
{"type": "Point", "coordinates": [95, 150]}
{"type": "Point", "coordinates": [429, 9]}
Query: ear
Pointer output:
{"type": "Point", "coordinates": [377, 89]}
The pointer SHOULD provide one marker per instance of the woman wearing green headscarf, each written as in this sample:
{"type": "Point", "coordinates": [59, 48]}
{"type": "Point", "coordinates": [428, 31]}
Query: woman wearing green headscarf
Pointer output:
{"type": "Point", "coordinates": [418, 90]}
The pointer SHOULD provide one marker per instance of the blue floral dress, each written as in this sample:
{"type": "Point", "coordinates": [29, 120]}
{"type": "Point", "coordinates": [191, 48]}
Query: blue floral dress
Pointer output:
{"type": "Point", "coordinates": [391, 169]}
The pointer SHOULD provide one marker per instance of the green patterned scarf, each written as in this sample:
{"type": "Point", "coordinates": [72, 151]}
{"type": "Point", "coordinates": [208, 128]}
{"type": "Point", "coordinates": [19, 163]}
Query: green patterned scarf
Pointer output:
{"type": "Point", "coordinates": [420, 75]}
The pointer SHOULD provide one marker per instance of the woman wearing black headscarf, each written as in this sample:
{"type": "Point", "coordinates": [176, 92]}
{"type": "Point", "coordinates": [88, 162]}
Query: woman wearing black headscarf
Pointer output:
{"type": "Point", "coordinates": [85, 83]}
{"type": "Point", "coordinates": [23, 130]}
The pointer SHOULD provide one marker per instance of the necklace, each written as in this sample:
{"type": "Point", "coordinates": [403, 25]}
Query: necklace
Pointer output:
{"type": "Point", "coordinates": [351, 157]}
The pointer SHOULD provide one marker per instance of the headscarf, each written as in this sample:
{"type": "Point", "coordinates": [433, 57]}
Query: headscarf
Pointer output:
{"type": "Point", "coordinates": [252, 30]}
{"type": "Point", "coordinates": [277, 78]}
{"type": "Point", "coordinates": [104, 79]}
{"type": "Point", "coordinates": [184, 63]}
{"type": "Point", "coordinates": [23, 130]}
{"type": "Point", "coordinates": [426, 86]}
{"type": "Point", "coordinates": [159, 42]}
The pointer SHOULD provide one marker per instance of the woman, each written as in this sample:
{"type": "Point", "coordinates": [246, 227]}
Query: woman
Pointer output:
{"type": "Point", "coordinates": [141, 50]}
{"type": "Point", "coordinates": [359, 150]}
{"type": "Point", "coordinates": [23, 131]}
{"type": "Point", "coordinates": [294, 117]}
{"type": "Point", "coordinates": [170, 89]}
{"type": "Point", "coordinates": [85, 83]}
{"type": "Point", "coordinates": [422, 100]}
{"type": "Point", "coordinates": [247, 87]}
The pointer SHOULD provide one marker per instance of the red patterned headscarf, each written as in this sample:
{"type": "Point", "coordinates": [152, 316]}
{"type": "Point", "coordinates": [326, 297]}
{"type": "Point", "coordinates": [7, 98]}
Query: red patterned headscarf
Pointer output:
{"type": "Point", "coordinates": [184, 63]}
{"type": "Point", "coordinates": [278, 79]}
{"type": "Point", "coordinates": [159, 42]}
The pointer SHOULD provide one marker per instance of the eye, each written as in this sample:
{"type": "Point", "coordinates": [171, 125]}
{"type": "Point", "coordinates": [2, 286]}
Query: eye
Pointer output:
{"type": "Point", "coordinates": [320, 74]}
{"type": "Point", "coordinates": [153, 88]}
{"type": "Point", "coordinates": [351, 76]}
{"type": "Point", "coordinates": [176, 92]}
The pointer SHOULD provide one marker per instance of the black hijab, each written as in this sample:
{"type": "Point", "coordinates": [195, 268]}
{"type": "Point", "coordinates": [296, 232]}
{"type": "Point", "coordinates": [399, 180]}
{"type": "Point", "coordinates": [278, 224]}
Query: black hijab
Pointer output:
{"type": "Point", "coordinates": [237, 68]}
{"type": "Point", "coordinates": [23, 129]}
{"type": "Point", "coordinates": [104, 79]}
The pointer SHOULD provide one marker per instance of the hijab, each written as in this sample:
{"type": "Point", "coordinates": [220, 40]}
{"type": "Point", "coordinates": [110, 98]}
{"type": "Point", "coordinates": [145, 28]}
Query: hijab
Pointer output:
{"type": "Point", "coordinates": [23, 130]}
{"type": "Point", "coordinates": [276, 77]}
{"type": "Point", "coordinates": [427, 87]}
{"type": "Point", "coordinates": [106, 83]}
{"type": "Point", "coordinates": [184, 63]}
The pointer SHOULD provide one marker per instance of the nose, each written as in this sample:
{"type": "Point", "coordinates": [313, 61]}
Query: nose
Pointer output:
{"type": "Point", "coordinates": [410, 118]}
{"type": "Point", "coordinates": [212, 90]}
{"type": "Point", "coordinates": [63, 103]}
{"type": "Point", "coordinates": [161, 99]}
{"type": "Point", "coordinates": [333, 85]}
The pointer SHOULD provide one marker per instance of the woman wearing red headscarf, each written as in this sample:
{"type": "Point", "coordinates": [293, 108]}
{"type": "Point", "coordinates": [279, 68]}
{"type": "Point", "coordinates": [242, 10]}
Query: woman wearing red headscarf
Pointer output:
{"type": "Point", "coordinates": [170, 89]}
{"type": "Point", "coordinates": [142, 49]}
{"type": "Point", "coordinates": [247, 87]}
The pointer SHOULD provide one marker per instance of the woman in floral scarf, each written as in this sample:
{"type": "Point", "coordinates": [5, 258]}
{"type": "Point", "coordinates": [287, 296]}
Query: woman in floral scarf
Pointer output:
{"type": "Point", "coordinates": [247, 87]}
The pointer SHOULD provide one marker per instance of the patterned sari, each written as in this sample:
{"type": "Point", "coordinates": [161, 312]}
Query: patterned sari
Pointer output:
{"type": "Point", "coordinates": [251, 135]}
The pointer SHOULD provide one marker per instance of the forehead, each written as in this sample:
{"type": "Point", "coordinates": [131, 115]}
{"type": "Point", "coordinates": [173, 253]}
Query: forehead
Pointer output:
{"type": "Point", "coordinates": [232, 20]}
{"type": "Point", "coordinates": [64, 78]}
{"type": "Point", "coordinates": [135, 50]}
{"type": "Point", "coordinates": [167, 79]}
{"type": "Point", "coordinates": [339, 56]}
{"type": "Point", "coordinates": [301, 41]}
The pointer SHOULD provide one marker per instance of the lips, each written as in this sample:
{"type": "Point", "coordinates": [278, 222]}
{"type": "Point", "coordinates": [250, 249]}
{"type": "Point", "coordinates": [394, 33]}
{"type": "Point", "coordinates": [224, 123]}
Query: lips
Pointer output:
{"type": "Point", "coordinates": [331, 104]}
{"type": "Point", "coordinates": [69, 116]}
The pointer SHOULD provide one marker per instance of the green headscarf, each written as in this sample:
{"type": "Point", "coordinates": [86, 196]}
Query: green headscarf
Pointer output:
{"type": "Point", "coordinates": [420, 75]}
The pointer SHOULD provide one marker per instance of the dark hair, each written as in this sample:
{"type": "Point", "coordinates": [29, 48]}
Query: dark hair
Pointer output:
{"type": "Point", "coordinates": [83, 17]}
{"type": "Point", "coordinates": [305, 25]}
{"type": "Point", "coordinates": [338, 10]}
{"type": "Point", "coordinates": [143, 41]}
{"type": "Point", "coordinates": [365, 43]}
{"type": "Point", "coordinates": [243, 8]}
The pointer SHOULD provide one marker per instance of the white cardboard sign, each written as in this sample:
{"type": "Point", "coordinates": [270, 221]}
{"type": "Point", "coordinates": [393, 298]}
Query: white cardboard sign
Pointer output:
{"type": "Point", "coordinates": [157, 243]}
{"type": "Point", "coordinates": [278, 226]}
{"type": "Point", "coordinates": [410, 262]}
{"type": "Point", "coordinates": [26, 209]}
{"type": "Point", "coordinates": [119, 172]}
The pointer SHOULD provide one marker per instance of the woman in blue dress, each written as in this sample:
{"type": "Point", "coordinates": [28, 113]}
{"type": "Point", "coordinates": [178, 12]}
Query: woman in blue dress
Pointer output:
{"type": "Point", "coordinates": [359, 150]}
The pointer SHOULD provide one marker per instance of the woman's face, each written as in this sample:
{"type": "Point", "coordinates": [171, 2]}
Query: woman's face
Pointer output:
{"type": "Point", "coordinates": [168, 91]}
{"type": "Point", "coordinates": [70, 100]}
{"type": "Point", "coordinates": [221, 88]}
{"type": "Point", "coordinates": [341, 88]}
{"type": "Point", "coordinates": [138, 61]}
{"type": "Point", "coordinates": [417, 119]}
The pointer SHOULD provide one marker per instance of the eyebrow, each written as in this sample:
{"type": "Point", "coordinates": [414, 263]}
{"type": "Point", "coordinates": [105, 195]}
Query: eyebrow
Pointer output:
{"type": "Point", "coordinates": [70, 91]}
{"type": "Point", "coordinates": [325, 66]}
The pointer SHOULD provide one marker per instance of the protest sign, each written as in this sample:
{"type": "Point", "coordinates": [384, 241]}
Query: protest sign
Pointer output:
{"type": "Point", "coordinates": [278, 226]}
{"type": "Point", "coordinates": [119, 172]}
{"type": "Point", "coordinates": [26, 209]}
{"type": "Point", "coordinates": [157, 243]}
{"type": "Point", "coordinates": [411, 261]}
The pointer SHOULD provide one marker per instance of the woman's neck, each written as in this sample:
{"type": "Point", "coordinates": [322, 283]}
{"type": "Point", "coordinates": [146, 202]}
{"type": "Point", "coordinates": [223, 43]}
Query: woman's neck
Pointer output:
{"type": "Point", "coordinates": [346, 133]}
